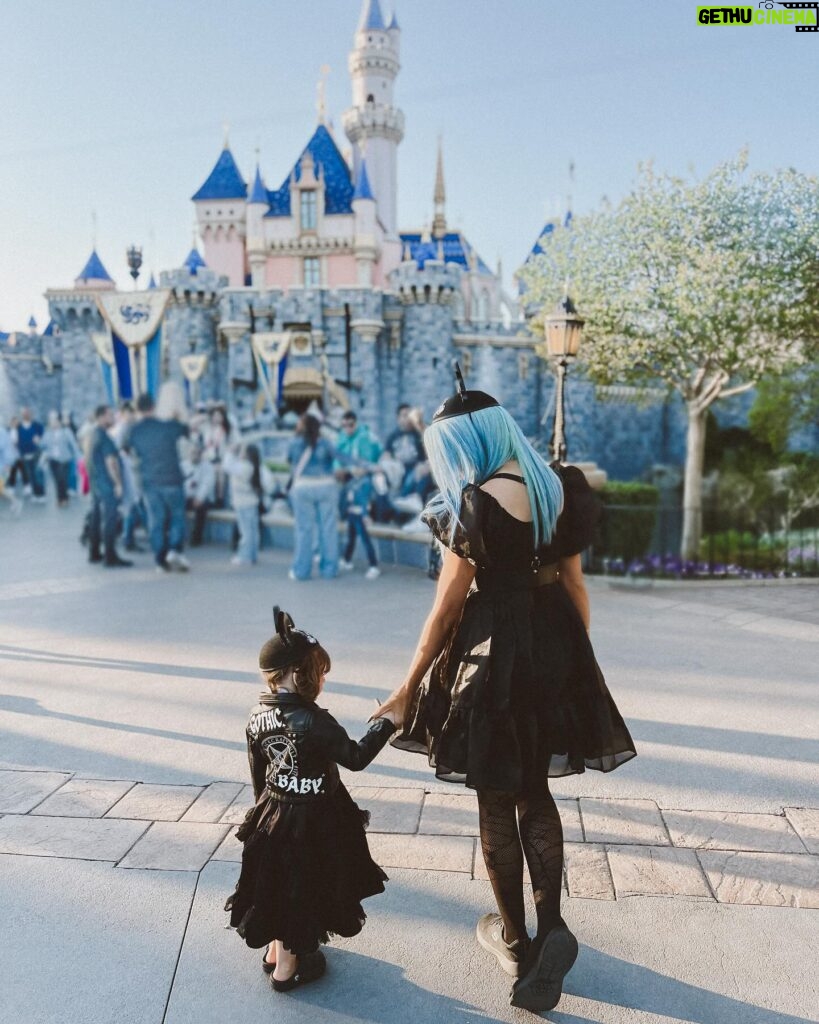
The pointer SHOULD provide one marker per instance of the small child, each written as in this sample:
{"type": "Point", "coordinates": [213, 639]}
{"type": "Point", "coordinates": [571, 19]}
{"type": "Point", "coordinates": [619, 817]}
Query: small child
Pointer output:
{"type": "Point", "coordinates": [305, 864]}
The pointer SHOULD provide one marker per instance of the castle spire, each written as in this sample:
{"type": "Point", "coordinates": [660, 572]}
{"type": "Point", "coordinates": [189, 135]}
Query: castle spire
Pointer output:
{"type": "Point", "coordinates": [439, 220]}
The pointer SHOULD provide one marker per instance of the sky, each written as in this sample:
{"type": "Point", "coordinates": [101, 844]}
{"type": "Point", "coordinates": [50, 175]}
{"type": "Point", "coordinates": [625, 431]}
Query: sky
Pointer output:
{"type": "Point", "coordinates": [112, 114]}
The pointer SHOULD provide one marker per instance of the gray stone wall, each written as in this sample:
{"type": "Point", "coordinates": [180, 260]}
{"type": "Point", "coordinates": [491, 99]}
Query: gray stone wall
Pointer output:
{"type": "Point", "coordinates": [30, 375]}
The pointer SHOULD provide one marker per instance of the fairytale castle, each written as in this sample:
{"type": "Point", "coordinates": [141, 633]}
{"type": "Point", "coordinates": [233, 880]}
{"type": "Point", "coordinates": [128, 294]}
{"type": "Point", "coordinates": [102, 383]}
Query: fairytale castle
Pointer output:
{"type": "Point", "coordinates": [311, 290]}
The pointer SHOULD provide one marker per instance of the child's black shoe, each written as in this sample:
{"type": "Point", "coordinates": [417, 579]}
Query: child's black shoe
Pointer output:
{"type": "Point", "coordinates": [309, 967]}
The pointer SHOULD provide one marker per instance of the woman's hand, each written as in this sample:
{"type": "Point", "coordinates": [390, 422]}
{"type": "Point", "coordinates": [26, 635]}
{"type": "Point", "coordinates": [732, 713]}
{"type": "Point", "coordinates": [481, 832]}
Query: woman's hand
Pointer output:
{"type": "Point", "coordinates": [394, 708]}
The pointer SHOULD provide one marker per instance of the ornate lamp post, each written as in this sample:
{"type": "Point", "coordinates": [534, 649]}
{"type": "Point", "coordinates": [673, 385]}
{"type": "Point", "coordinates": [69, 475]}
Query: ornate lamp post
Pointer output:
{"type": "Point", "coordinates": [563, 328]}
{"type": "Point", "coordinates": [134, 256]}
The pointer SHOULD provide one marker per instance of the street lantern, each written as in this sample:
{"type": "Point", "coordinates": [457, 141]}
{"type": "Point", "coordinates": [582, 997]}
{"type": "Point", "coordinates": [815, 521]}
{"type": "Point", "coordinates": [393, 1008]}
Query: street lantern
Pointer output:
{"type": "Point", "coordinates": [134, 256]}
{"type": "Point", "coordinates": [563, 328]}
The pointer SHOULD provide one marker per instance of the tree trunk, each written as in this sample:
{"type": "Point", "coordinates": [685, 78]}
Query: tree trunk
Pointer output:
{"type": "Point", "coordinates": [692, 488]}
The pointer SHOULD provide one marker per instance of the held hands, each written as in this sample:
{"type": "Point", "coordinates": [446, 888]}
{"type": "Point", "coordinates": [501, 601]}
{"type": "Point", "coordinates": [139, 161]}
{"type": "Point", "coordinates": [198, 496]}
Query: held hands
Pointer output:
{"type": "Point", "coordinates": [394, 708]}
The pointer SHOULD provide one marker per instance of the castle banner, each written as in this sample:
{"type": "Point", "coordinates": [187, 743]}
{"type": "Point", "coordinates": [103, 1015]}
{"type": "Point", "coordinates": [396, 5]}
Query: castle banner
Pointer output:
{"type": "Point", "coordinates": [135, 322]}
{"type": "Point", "coordinates": [134, 317]}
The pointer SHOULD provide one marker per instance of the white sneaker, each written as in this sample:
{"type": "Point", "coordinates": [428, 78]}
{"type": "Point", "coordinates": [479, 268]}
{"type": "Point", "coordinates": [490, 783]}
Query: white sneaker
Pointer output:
{"type": "Point", "coordinates": [178, 561]}
{"type": "Point", "coordinates": [291, 575]}
{"type": "Point", "coordinates": [372, 573]}
{"type": "Point", "coordinates": [27, 491]}
{"type": "Point", "coordinates": [344, 564]}
{"type": "Point", "coordinates": [238, 560]}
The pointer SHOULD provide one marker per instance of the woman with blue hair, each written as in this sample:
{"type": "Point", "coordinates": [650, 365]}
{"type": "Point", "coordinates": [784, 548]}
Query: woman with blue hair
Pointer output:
{"type": "Point", "coordinates": [504, 691]}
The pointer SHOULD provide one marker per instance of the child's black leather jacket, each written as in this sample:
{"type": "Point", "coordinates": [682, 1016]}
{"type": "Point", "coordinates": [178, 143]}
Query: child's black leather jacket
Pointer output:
{"type": "Point", "coordinates": [294, 747]}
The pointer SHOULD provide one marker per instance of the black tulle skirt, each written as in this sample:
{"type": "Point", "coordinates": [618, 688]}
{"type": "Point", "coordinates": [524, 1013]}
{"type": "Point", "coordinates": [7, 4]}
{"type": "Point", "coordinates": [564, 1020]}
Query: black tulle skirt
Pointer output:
{"type": "Point", "coordinates": [516, 696]}
{"type": "Point", "coordinates": [306, 867]}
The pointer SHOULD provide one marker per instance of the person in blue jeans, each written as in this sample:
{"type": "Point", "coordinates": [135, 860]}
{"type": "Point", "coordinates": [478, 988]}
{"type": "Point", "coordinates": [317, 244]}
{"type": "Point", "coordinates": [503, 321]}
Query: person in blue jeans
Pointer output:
{"type": "Point", "coordinates": [154, 443]}
{"type": "Point", "coordinates": [357, 455]}
{"type": "Point", "coordinates": [314, 500]}
{"type": "Point", "coordinates": [29, 441]}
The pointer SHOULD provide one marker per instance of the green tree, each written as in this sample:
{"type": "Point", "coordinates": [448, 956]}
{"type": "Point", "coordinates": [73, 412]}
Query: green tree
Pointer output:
{"type": "Point", "coordinates": [708, 286]}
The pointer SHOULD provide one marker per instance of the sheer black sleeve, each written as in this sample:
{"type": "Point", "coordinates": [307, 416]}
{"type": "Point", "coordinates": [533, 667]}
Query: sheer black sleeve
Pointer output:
{"type": "Point", "coordinates": [581, 512]}
{"type": "Point", "coordinates": [464, 538]}
{"type": "Point", "coordinates": [328, 736]}
{"type": "Point", "coordinates": [258, 765]}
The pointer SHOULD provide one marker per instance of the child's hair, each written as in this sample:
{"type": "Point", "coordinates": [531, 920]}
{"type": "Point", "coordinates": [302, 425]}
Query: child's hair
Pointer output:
{"type": "Point", "coordinates": [306, 674]}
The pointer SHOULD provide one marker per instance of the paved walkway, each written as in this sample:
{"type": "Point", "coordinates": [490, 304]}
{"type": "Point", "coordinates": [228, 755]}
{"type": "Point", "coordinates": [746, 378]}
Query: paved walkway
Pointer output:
{"type": "Point", "coordinates": [692, 872]}
{"type": "Point", "coordinates": [614, 848]}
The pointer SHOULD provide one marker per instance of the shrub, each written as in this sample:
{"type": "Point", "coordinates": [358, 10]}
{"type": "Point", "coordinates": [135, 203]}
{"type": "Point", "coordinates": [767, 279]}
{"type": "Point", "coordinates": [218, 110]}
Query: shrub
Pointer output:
{"type": "Point", "coordinates": [629, 518]}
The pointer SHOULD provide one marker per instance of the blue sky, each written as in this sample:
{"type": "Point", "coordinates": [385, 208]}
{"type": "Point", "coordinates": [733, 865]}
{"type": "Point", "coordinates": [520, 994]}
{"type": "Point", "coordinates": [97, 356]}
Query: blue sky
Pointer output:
{"type": "Point", "coordinates": [118, 108]}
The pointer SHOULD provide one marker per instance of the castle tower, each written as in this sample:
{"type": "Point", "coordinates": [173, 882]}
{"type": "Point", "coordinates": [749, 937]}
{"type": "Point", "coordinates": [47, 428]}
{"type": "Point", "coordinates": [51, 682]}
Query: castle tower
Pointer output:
{"type": "Point", "coordinates": [373, 125]}
{"type": "Point", "coordinates": [364, 210]}
{"type": "Point", "coordinates": [220, 215]}
{"type": "Point", "coordinates": [257, 205]}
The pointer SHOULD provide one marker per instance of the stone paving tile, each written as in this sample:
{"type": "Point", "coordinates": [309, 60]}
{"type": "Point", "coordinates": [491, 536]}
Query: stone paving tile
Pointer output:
{"type": "Point", "coordinates": [806, 822]}
{"type": "Point", "coordinates": [175, 846]}
{"type": "Point", "coordinates": [152, 802]}
{"type": "Point", "coordinates": [623, 821]}
{"type": "Point", "coordinates": [427, 853]}
{"type": "Point", "coordinates": [570, 820]}
{"type": "Point", "coordinates": [790, 630]}
{"type": "Point", "coordinates": [449, 814]}
{"type": "Point", "coordinates": [657, 871]}
{"type": "Point", "coordinates": [20, 791]}
{"type": "Point", "coordinates": [84, 798]}
{"type": "Point", "coordinates": [766, 879]}
{"type": "Point", "coordinates": [587, 872]}
{"type": "Point", "coordinates": [230, 848]}
{"type": "Point", "coordinates": [727, 830]}
{"type": "Point", "coordinates": [213, 802]}
{"type": "Point", "coordinates": [391, 809]}
{"type": "Point", "coordinates": [235, 814]}
{"type": "Point", "coordinates": [81, 838]}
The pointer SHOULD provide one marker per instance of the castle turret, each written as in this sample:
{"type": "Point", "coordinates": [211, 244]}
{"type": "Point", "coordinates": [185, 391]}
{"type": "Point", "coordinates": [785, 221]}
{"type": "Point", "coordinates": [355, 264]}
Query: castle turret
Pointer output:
{"type": "Point", "coordinates": [257, 206]}
{"type": "Point", "coordinates": [220, 214]}
{"type": "Point", "coordinates": [94, 275]}
{"type": "Point", "coordinates": [364, 209]}
{"type": "Point", "coordinates": [373, 125]}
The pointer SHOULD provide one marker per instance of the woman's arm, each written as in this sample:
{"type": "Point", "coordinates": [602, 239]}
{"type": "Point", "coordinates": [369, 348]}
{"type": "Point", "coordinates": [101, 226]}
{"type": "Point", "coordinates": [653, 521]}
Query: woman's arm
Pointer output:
{"type": "Point", "coordinates": [453, 585]}
{"type": "Point", "coordinates": [571, 578]}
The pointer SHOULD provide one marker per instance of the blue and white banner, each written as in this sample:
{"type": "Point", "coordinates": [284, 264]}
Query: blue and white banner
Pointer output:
{"type": "Point", "coordinates": [135, 322]}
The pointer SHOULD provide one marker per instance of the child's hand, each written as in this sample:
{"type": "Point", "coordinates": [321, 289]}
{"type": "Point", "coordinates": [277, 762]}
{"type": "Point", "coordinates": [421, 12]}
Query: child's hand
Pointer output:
{"type": "Point", "coordinates": [394, 708]}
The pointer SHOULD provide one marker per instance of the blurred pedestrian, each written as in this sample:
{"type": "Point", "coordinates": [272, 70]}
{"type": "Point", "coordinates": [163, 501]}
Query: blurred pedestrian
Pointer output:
{"type": "Point", "coordinates": [106, 492]}
{"type": "Point", "coordinates": [314, 500]}
{"type": "Point", "coordinates": [61, 450]}
{"type": "Point", "coordinates": [357, 455]}
{"type": "Point", "coordinates": [154, 443]}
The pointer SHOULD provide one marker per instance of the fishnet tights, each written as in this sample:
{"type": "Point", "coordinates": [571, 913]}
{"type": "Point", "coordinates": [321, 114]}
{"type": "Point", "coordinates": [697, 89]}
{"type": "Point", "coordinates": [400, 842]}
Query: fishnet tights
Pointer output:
{"type": "Point", "coordinates": [535, 831]}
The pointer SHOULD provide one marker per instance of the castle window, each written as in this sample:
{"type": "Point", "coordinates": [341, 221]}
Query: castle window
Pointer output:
{"type": "Point", "coordinates": [309, 208]}
{"type": "Point", "coordinates": [312, 272]}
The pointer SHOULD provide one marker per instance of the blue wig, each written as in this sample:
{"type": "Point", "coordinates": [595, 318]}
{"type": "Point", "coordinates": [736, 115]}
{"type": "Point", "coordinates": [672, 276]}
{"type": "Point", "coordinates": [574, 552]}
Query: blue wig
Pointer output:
{"type": "Point", "coordinates": [468, 449]}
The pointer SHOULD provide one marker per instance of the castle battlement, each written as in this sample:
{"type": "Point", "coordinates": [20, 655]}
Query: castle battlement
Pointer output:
{"type": "Point", "coordinates": [435, 282]}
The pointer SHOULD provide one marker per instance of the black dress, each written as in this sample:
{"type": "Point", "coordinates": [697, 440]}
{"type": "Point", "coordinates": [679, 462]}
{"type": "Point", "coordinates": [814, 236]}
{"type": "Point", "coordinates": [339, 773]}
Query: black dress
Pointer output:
{"type": "Point", "coordinates": [516, 695]}
{"type": "Point", "coordinates": [306, 865]}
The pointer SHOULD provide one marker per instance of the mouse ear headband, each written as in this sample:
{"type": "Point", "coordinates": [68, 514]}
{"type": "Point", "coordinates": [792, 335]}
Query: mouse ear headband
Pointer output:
{"type": "Point", "coordinates": [288, 647]}
{"type": "Point", "coordinates": [463, 402]}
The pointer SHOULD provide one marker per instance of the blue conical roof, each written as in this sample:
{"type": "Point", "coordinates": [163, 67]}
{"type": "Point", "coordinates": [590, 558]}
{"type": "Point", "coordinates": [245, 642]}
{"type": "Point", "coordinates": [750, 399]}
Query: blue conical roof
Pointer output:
{"type": "Point", "coordinates": [338, 184]}
{"type": "Point", "coordinates": [194, 261]}
{"type": "Point", "coordinates": [224, 181]}
{"type": "Point", "coordinates": [94, 270]}
{"type": "Point", "coordinates": [258, 194]}
{"type": "Point", "coordinates": [371, 17]}
{"type": "Point", "coordinates": [394, 21]}
{"type": "Point", "coordinates": [152, 282]}
{"type": "Point", "coordinates": [363, 190]}
{"type": "Point", "coordinates": [32, 322]}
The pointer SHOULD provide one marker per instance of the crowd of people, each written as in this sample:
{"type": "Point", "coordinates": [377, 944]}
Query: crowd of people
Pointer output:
{"type": "Point", "coordinates": [152, 473]}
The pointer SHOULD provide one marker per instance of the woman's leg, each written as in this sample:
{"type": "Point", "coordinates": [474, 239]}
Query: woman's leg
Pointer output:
{"type": "Point", "coordinates": [503, 855]}
{"type": "Point", "coordinates": [244, 517]}
{"type": "Point", "coordinates": [541, 835]}
{"type": "Point", "coordinates": [286, 963]}
{"type": "Point", "coordinates": [327, 515]}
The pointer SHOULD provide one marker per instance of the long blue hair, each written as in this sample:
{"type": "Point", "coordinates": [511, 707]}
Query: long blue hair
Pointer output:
{"type": "Point", "coordinates": [470, 448]}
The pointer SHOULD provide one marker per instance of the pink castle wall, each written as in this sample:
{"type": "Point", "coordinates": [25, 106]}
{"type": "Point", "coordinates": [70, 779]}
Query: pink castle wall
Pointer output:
{"type": "Point", "coordinates": [225, 254]}
{"type": "Point", "coordinates": [341, 271]}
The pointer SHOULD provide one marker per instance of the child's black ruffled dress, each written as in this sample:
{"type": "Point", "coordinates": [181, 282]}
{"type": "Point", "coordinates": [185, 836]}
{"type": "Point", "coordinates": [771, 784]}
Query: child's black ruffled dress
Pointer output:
{"type": "Point", "coordinates": [306, 865]}
{"type": "Point", "coordinates": [516, 695]}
